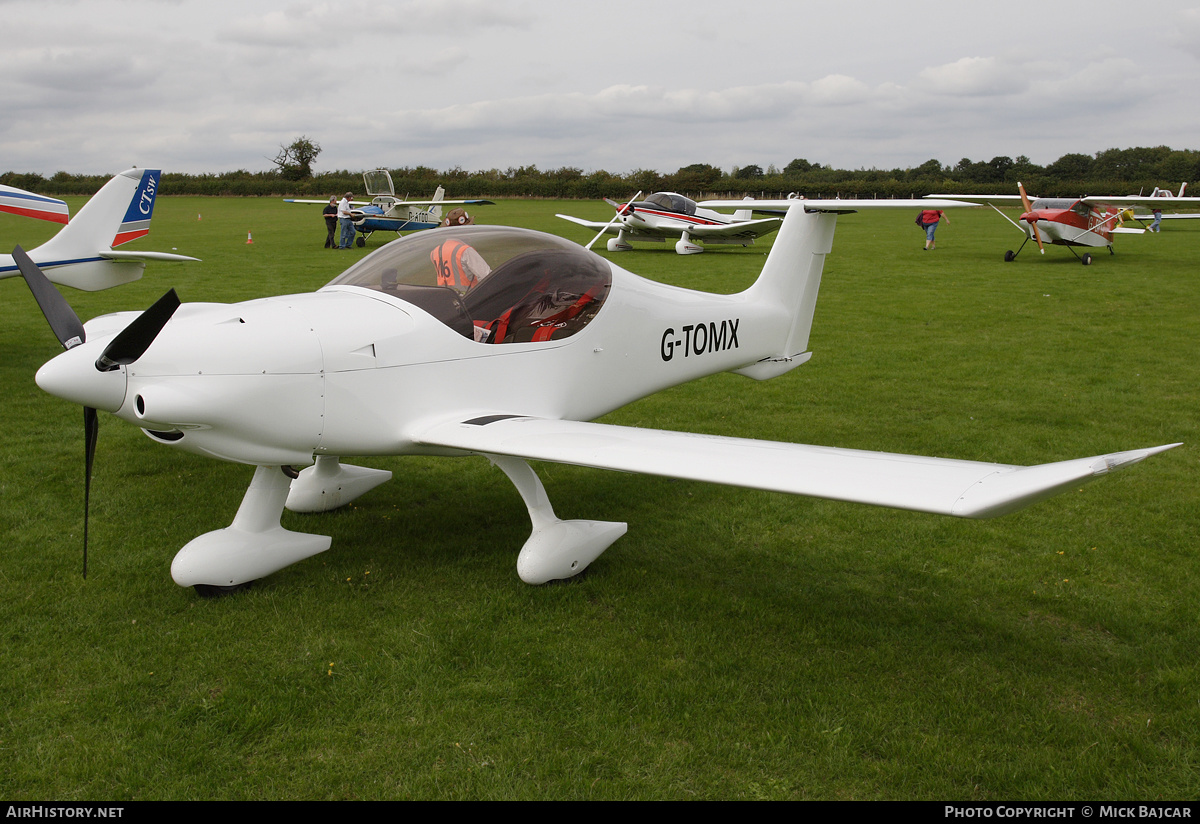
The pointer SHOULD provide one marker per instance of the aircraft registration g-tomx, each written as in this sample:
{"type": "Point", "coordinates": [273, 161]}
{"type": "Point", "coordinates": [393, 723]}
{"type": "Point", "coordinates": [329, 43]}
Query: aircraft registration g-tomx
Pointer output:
{"type": "Point", "coordinates": [485, 340]}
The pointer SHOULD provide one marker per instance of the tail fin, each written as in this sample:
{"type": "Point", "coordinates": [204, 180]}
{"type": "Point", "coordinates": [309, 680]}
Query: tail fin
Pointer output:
{"type": "Point", "coordinates": [81, 254]}
{"type": "Point", "coordinates": [118, 213]}
{"type": "Point", "coordinates": [436, 211]}
{"type": "Point", "coordinates": [791, 279]}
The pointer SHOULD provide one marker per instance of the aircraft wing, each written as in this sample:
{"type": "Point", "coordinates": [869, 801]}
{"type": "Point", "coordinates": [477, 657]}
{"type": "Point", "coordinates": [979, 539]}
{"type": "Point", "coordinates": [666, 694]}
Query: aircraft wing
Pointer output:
{"type": "Point", "coordinates": [27, 204]}
{"type": "Point", "coordinates": [614, 227]}
{"type": "Point", "coordinates": [444, 202]}
{"type": "Point", "coordinates": [167, 256]}
{"type": "Point", "coordinates": [325, 202]}
{"type": "Point", "coordinates": [1167, 216]}
{"type": "Point", "coordinates": [838, 205]}
{"type": "Point", "coordinates": [967, 489]}
{"type": "Point", "coordinates": [744, 230]}
{"type": "Point", "coordinates": [1138, 200]}
{"type": "Point", "coordinates": [986, 200]}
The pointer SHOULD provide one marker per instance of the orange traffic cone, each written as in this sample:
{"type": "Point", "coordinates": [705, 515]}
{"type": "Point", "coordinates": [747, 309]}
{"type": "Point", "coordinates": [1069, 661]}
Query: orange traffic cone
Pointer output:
{"type": "Point", "coordinates": [249, 238]}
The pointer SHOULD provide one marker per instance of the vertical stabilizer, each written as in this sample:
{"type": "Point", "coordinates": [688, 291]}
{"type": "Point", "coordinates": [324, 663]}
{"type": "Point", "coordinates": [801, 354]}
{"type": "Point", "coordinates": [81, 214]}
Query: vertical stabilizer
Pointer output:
{"type": "Point", "coordinates": [118, 213]}
{"type": "Point", "coordinates": [790, 280]}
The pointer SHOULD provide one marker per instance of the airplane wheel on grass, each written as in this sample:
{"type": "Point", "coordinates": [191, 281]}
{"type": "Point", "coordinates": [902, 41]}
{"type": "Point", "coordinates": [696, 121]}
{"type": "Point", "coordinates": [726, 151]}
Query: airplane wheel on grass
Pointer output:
{"type": "Point", "coordinates": [360, 241]}
{"type": "Point", "coordinates": [1086, 260]}
{"type": "Point", "coordinates": [1010, 256]}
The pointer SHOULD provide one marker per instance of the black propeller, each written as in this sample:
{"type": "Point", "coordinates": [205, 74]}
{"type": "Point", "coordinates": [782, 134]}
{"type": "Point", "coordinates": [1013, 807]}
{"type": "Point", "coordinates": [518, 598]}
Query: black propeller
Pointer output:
{"type": "Point", "coordinates": [129, 345]}
{"type": "Point", "coordinates": [133, 341]}
{"type": "Point", "coordinates": [62, 318]}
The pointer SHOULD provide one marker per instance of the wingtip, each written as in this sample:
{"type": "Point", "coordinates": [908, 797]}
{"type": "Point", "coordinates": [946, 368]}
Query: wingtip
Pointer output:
{"type": "Point", "coordinates": [1118, 460]}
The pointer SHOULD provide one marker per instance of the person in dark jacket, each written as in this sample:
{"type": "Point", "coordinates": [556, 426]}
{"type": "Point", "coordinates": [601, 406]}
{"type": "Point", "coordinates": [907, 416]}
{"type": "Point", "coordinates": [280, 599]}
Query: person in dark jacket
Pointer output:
{"type": "Point", "coordinates": [330, 213]}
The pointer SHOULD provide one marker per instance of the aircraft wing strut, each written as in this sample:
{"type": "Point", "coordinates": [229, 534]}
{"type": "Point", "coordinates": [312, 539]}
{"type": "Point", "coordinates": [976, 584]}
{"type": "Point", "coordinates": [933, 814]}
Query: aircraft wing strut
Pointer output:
{"type": "Point", "coordinates": [969, 489]}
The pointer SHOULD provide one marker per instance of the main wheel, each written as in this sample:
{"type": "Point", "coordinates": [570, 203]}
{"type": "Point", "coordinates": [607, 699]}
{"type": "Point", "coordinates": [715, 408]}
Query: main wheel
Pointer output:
{"type": "Point", "coordinates": [1086, 260]}
{"type": "Point", "coordinates": [1010, 256]}
{"type": "Point", "coordinates": [360, 241]}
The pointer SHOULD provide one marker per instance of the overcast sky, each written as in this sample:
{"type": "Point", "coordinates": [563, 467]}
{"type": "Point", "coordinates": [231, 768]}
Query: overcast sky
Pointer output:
{"type": "Point", "coordinates": [215, 86]}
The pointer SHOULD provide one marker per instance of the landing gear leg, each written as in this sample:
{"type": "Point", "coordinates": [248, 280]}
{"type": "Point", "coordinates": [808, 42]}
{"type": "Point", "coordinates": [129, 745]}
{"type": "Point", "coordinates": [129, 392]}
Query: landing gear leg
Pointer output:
{"type": "Point", "coordinates": [555, 549]}
{"type": "Point", "coordinates": [252, 546]}
{"type": "Point", "coordinates": [1010, 255]}
{"type": "Point", "coordinates": [618, 243]}
{"type": "Point", "coordinates": [684, 246]}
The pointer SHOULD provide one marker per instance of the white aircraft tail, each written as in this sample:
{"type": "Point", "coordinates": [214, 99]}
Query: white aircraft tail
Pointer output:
{"type": "Point", "coordinates": [790, 280]}
{"type": "Point", "coordinates": [436, 211]}
{"type": "Point", "coordinates": [81, 255]}
{"type": "Point", "coordinates": [118, 213]}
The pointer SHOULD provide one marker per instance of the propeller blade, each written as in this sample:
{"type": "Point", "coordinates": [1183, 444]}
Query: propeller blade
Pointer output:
{"type": "Point", "coordinates": [1033, 230]}
{"type": "Point", "coordinates": [133, 341]}
{"type": "Point", "coordinates": [1024, 197]}
{"type": "Point", "coordinates": [62, 318]}
{"type": "Point", "coordinates": [615, 217]}
{"type": "Point", "coordinates": [91, 431]}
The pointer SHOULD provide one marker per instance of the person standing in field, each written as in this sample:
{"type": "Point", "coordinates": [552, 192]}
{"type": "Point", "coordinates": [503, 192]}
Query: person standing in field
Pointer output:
{"type": "Point", "coordinates": [929, 222]}
{"type": "Point", "coordinates": [330, 213]}
{"type": "Point", "coordinates": [346, 219]}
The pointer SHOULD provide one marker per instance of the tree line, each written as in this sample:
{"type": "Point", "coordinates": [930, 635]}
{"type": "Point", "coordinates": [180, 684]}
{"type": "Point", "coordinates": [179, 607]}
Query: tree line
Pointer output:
{"type": "Point", "coordinates": [1112, 171]}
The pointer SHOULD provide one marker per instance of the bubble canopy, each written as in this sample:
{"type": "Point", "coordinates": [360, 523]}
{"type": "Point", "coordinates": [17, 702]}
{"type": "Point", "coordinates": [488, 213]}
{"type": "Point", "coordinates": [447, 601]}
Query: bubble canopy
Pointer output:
{"type": "Point", "coordinates": [493, 284]}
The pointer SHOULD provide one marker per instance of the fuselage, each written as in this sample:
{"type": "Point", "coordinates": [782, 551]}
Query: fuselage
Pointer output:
{"type": "Point", "coordinates": [1070, 222]}
{"type": "Point", "coordinates": [359, 366]}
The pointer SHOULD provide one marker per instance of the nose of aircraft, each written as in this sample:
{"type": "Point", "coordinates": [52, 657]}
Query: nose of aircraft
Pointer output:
{"type": "Point", "coordinates": [73, 376]}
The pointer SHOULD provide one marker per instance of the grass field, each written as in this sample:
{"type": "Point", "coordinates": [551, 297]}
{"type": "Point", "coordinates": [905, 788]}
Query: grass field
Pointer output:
{"type": "Point", "coordinates": [734, 644]}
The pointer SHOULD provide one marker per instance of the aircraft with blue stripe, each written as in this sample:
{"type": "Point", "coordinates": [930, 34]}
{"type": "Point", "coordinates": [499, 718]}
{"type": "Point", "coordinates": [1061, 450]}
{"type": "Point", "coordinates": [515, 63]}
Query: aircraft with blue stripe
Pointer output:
{"type": "Point", "coordinates": [82, 256]}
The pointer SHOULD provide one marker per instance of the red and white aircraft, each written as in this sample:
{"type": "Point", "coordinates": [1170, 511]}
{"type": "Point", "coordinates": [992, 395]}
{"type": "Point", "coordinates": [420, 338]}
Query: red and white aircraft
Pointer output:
{"type": "Point", "coordinates": [1086, 221]}
{"type": "Point", "coordinates": [666, 214]}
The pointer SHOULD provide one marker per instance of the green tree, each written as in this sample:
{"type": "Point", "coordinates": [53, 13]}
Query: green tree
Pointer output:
{"type": "Point", "coordinates": [295, 161]}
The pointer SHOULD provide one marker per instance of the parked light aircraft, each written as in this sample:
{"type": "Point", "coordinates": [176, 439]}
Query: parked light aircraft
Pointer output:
{"type": "Point", "coordinates": [387, 213]}
{"type": "Point", "coordinates": [81, 255]}
{"type": "Point", "coordinates": [1086, 221]}
{"type": "Point", "coordinates": [27, 204]}
{"type": "Point", "coordinates": [666, 214]}
{"type": "Point", "coordinates": [1144, 217]}
{"type": "Point", "coordinates": [494, 341]}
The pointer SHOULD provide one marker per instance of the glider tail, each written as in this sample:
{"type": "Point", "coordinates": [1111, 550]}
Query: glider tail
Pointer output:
{"type": "Point", "coordinates": [790, 280]}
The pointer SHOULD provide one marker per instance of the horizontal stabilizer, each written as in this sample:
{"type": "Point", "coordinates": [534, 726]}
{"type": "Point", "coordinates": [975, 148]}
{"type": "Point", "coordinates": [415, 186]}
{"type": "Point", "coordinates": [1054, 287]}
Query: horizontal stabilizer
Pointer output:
{"type": "Point", "coordinates": [969, 489]}
{"type": "Point", "coordinates": [165, 256]}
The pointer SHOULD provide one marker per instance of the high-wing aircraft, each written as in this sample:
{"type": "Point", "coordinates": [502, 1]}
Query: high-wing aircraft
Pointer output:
{"type": "Point", "coordinates": [387, 213]}
{"type": "Point", "coordinates": [1145, 217]}
{"type": "Point", "coordinates": [1088, 222]}
{"type": "Point", "coordinates": [665, 215]}
{"type": "Point", "coordinates": [27, 204]}
{"type": "Point", "coordinates": [485, 340]}
{"type": "Point", "coordinates": [81, 255]}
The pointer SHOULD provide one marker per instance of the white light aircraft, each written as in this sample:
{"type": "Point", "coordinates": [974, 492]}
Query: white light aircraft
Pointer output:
{"type": "Point", "coordinates": [494, 341]}
{"type": "Point", "coordinates": [665, 215]}
{"type": "Point", "coordinates": [81, 255]}
{"type": "Point", "coordinates": [387, 213]}
{"type": "Point", "coordinates": [27, 204]}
